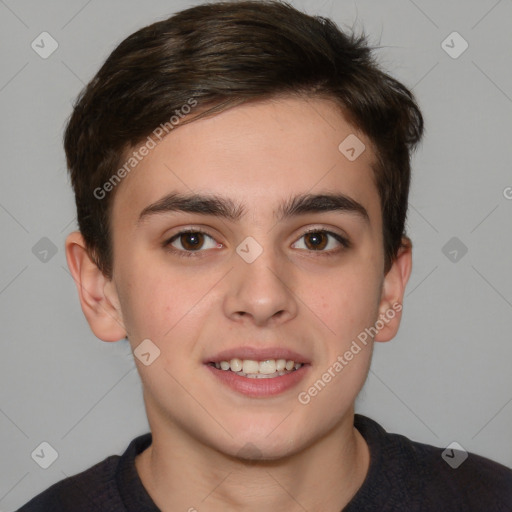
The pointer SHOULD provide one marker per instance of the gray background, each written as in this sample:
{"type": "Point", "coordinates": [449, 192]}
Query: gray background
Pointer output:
{"type": "Point", "coordinates": [446, 377]}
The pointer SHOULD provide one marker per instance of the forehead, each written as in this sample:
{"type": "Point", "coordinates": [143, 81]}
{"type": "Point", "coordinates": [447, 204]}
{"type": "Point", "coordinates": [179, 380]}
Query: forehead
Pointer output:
{"type": "Point", "coordinates": [256, 154]}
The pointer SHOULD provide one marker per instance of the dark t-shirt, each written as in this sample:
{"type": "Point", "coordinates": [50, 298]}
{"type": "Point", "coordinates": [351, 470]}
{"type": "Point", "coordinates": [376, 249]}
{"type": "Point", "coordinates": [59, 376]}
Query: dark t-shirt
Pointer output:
{"type": "Point", "coordinates": [403, 476]}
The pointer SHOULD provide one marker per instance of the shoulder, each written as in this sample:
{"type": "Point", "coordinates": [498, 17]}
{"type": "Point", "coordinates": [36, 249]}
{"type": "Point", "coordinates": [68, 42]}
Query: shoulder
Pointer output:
{"type": "Point", "coordinates": [74, 493]}
{"type": "Point", "coordinates": [418, 476]}
{"type": "Point", "coordinates": [459, 478]}
{"type": "Point", "coordinates": [107, 485]}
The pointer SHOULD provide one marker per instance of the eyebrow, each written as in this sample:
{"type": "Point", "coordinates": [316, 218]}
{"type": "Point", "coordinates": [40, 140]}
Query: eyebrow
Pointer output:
{"type": "Point", "coordinates": [228, 209]}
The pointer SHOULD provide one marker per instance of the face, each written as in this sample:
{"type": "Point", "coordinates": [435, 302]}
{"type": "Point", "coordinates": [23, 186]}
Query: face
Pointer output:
{"type": "Point", "coordinates": [268, 247]}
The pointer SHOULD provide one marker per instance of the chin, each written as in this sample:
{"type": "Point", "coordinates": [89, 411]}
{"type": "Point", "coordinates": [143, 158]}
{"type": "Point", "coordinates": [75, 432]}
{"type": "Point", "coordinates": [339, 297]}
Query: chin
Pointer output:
{"type": "Point", "coordinates": [266, 444]}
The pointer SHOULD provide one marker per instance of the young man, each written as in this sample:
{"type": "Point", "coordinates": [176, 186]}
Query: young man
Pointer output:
{"type": "Point", "coordinates": [241, 173]}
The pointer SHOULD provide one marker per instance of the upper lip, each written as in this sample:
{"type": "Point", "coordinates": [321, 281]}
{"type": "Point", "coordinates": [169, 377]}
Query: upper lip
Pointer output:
{"type": "Point", "coordinates": [257, 354]}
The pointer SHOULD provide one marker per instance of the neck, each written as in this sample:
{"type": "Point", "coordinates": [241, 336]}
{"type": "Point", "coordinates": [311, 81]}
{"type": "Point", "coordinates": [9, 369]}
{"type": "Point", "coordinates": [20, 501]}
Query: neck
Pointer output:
{"type": "Point", "coordinates": [191, 476]}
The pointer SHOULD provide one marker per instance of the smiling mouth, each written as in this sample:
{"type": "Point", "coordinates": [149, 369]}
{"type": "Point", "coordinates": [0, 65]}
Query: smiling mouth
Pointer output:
{"type": "Point", "coordinates": [252, 369]}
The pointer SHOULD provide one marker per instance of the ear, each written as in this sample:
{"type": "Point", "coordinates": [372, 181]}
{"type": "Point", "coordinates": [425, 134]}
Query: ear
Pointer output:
{"type": "Point", "coordinates": [98, 295]}
{"type": "Point", "coordinates": [393, 289]}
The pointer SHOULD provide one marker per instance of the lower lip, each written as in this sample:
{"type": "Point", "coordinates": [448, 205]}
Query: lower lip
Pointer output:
{"type": "Point", "coordinates": [260, 387]}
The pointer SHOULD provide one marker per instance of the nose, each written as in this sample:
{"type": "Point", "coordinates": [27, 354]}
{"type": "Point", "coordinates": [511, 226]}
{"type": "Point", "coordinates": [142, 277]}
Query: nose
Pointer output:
{"type": "Point", "coordinates": [261, 291]}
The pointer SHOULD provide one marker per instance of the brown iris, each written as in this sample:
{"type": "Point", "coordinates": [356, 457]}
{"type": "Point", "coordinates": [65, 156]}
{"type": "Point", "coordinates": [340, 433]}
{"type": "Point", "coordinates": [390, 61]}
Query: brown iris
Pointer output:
{"type": "Point", "coordinates": [316, 240]}
{"type": "Point", "coordinates": [192, 241]}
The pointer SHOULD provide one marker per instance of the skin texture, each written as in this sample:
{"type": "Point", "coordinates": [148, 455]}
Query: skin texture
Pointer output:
{"type": "Point", "coordinates": [214, 448]}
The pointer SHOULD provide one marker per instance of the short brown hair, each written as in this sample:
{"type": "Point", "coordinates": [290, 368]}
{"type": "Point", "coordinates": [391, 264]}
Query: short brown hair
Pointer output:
{"type": "Point", "coordinates": [219, 55]}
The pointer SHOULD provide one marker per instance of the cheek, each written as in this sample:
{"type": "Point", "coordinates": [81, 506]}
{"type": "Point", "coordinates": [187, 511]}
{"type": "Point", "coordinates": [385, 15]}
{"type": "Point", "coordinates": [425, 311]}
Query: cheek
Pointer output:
{"type": "Point", "coordinates": [159, 304]}
{"type": "Point", "coordinates": [347, 302]}
{"type": "Point", "coordinates": [350, 307]}
{"type": "Point", "coordinates": [146, 300]}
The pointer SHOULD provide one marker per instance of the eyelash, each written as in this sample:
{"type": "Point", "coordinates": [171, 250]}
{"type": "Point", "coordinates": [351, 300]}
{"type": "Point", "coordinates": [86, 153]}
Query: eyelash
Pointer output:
{"type": "Point", "coordinates": [345, 243]}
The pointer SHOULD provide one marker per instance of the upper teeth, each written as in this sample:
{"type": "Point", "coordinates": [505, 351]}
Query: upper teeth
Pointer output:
{"type": "Point", "coordinates": [266, 367]}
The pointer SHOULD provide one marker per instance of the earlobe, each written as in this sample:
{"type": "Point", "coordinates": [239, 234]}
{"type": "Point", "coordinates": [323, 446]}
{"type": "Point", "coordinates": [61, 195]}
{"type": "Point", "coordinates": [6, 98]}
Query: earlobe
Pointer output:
{"type": "Point", "coordinates": [393, 289]}
{"type": "Point", "coordinates": [97, 294]}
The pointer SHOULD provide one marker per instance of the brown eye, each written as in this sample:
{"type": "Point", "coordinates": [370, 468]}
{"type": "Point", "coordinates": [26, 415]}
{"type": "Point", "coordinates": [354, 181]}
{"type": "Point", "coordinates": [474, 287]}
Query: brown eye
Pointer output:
{"type": "Point", "coordinates": [191, 241]}
{"type": "Point", "coordinates": [322, 241]}
{"type": "Point", "coordinates": [316, 241]}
